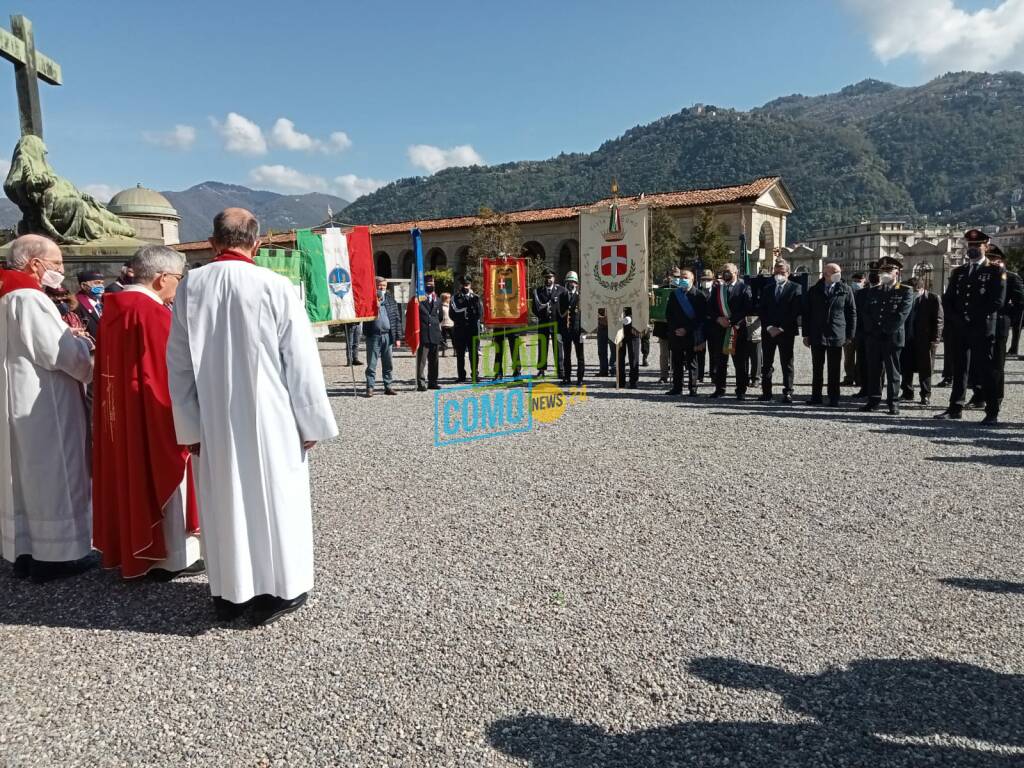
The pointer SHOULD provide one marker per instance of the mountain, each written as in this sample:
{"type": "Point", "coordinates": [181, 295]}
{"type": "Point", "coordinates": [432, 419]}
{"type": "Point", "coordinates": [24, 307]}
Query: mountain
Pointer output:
{"type": "Point", "coordinates": [199, 204]}
{"type": "Point", "coordinates": [949, 150]}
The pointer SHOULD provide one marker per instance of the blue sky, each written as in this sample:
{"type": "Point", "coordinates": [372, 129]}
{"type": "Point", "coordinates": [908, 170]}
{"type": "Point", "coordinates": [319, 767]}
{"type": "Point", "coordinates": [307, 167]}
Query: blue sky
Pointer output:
{"type": "Point", "coordinates": [343, 96]}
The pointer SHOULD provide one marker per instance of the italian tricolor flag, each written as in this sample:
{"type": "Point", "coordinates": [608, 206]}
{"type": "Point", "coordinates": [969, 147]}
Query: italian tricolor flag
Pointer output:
{"type": "Point", "coordinates": [338, 275]}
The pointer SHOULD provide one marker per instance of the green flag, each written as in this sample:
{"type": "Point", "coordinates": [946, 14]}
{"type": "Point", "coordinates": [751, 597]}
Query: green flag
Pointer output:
{"type": "Point", "coordinates": [660, 305]}
{"type": "Point", "coordinates": [314, 275]}
{"type": "Point", "coordinates": [285, 263]}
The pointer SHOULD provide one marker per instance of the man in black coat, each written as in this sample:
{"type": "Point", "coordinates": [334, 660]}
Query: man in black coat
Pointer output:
{"type": "Point", "coordinates": [830, 322]}
{"type": "Point", "coordinates": [467, 311]}
{"type": "Point", "coordinates": [685, 321]}
{"type": "Point", "coordinates": [780, 308]}
{"type": "Point", "coordinates": [569, 328]}
{"type": "Point", "coordinates": [974, 296]}
{"type": "Point", "coordinates": [545, 309]}
{"type": "Point", "coordinates": [923, 331]}
{"type": "Point", "coordinates": [430, 339]}
{"type": "Point", "coordinates": [1008, 315]}
{"type": "Point", "coordinates": [728, 307]}
{"type": "Point", "coordinates": [885, 318]}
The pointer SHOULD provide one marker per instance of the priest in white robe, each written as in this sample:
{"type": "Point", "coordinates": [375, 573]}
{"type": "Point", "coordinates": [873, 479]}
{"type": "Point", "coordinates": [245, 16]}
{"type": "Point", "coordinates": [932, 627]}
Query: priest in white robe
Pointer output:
{"type": "Point", "coordinates": [45, 509]}
{"type": "Point", "coordinates": [248, 396]}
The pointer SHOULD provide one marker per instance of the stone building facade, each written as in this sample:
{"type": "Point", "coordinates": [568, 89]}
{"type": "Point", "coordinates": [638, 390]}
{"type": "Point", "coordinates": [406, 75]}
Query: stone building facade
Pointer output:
{"type": "Point", "coordinates": [854, 246]}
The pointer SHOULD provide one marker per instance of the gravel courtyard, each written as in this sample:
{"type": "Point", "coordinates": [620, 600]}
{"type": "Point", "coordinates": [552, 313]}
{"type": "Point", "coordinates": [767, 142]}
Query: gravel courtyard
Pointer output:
{"type": "Point", "coordinates": [644, 582]}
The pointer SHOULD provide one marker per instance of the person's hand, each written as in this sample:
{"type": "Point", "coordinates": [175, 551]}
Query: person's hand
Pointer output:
{"type": "Point", "coordinates": [849, 342]}
{"type": "Point", "coordinates": [807, 342]}
{"type": "Point", "coordinates": [700, 347]}
{"type": "Point", "coordinates": [194, 449]}
{"type": "Point", "coordinates": [680, 331]}
{"type": "Point", "coordinates": [774, 331]}
{"type": "Point", "coordinates": [308, 445]}
{"type": "Point", "coordinates": [724, 322]}
{"type": "Point", "coordinates": [398, 343]}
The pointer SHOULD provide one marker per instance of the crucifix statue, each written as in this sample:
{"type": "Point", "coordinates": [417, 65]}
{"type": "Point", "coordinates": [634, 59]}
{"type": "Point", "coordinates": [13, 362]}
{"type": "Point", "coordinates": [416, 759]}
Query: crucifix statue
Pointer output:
{"type": "Point", "coordinates": [18, 47]}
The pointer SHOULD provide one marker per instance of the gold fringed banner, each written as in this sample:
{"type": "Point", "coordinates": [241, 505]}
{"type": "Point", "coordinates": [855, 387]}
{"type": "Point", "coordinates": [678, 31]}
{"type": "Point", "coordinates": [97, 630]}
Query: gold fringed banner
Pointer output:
{"type": "Point", "coordinates": [505, 291]}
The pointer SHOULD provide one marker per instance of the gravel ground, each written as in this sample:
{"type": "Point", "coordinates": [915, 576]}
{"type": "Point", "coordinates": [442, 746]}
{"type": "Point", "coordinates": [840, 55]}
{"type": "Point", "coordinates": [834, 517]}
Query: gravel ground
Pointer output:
{"type": "Point", "coordinates": [642, 583]}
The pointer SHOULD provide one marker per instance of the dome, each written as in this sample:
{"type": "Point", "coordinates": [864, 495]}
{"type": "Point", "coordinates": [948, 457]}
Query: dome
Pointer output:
{"type": "Point", "coordinates": [140, 201]}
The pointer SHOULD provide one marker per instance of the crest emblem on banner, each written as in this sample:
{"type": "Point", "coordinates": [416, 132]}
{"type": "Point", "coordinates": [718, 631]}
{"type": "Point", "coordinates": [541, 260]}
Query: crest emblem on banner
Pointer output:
{"type": "Point", "coordinates": [340, 282]}
{"type": "Point", "coordinates": [615, 270]}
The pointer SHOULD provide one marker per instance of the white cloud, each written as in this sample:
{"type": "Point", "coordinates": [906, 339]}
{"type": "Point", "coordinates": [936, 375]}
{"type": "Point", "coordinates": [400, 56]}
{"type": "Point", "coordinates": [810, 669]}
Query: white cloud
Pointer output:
{"type": "Point", "coordinates": [433, 159]}
{"type": "Point", "coordinates": [102, 192]}
{"type": "Point", "coordinates": [283, 134]}
{"type": "Point", "coordinates": [181, 138]}
{"type": "Point", "coordinates": [284, 179]}
{"type": "Point", "coordinates": [350, 186]}
{"type": "Point", "coordinates": [241, 135]}
{"type": "Point", "coordinates": [944, 37]}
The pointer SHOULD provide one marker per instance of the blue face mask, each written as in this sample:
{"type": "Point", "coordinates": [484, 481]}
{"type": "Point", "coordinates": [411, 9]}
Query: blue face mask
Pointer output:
{"type": "Point", "coordinates": [97, 290]}
{"type": "Point", "coordinates": [683, 283]}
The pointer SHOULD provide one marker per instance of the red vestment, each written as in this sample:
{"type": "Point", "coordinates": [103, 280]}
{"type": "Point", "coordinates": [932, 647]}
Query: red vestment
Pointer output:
{"type": "Point", "coordinates": [137, 462]}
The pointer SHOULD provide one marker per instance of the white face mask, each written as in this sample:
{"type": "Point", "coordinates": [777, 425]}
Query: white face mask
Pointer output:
{"type": "Point", "coordinates": [780, 279]}
{"type": "Point", "coordinates": [886, 278]}
{"type": "Point", "coordinates": [705, 284]}
{"type": "Point", "coordinates": [52, 279]}
{"type": "Point", "coordinates": [920, 291]}
{"type": "Point", "coordinates": [835, 277]}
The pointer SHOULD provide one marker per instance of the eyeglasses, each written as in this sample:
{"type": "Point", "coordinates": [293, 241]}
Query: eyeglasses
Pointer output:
{"type": "Point", "coordinates": [174, 274]}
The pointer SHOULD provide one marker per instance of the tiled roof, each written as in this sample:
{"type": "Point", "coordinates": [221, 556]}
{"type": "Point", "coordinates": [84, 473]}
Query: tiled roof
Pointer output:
{"type": "Point", "coordinates": [685, 199]}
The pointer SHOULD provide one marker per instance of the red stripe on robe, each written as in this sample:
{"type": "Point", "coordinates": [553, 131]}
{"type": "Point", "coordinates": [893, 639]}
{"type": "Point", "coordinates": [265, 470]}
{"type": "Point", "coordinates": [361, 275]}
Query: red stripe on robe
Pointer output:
{"type": "Point", "coordinates": [13, 280]}
{"type": "Point", "coordinates": [137, 462]}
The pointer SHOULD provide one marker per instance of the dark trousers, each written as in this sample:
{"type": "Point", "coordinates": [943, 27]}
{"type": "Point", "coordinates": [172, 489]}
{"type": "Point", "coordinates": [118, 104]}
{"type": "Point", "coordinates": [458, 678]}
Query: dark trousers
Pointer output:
{"type": "Point", "coordinates": [999, 367]}
{"type": "Point", "coordinates": [605, 352]}
{"type": "Point", "coordinates": [568, 342]}
{"type": "Point", "coordinates": [465, 346]}
{"type": "Point", "coordinates": [511, 340]}
{"type": "Point", "coordinates": [684, 361]}
{"type": "Point", "coordinates": [755, 359]}
{"type": "Point", "coordinates": [820, 355]}
{"type": "Point", "coordinates": [353, 333]}
{"type": "Point", "coordinates": [883, 355]}
{"type": "Point", "coordinates": [784, 344]}
{"type": "Point", "coordinates": [426, 365]}
{"type": "Point", "coordinates": [850, 363]}
{"type": "Point", "coordinates": [720, 361]}
{"type": "Point", "coordinates": [947, 360]}
{"type": "Point", "coordinates": [702, 358]}
{"type": "Point", "coordinates": [630, 346]}
{"type": "Point", "coordinates": [861, 343]}
{"type": "Point", "coordinates": [1015, 327]}
{"type": "Point", "coordinates": [548, 338]}
{"type": "Point", "coordinates": [973, 354]}
{"type": "Point", "coordinates": [918, 357]}
{"type": "Point", "coordinates": [645, 345]}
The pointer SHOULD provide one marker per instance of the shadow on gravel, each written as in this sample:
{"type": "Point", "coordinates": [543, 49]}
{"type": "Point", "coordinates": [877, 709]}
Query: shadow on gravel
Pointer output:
{"type": "Point", "coordinates": [101, 600]}
{"type": "Point", "coordinates": [986, 585]}
{"type": "Point", "coordinates": [876, 712]}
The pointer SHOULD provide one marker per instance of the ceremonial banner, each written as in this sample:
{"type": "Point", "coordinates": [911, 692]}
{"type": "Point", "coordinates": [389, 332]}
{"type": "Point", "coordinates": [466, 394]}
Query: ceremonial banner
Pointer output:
{"type": "Point", "coordinates": [412, 312]}
{"type": "Point", "coordinates": [505, 291]}
{"type": "Point", "coordinates": [285, 263]}
{"type": "Point", "coordinates": [338, 275]}
{"type": "Point", "coordinates": [613, 265]}
{"type": "Point", "coordinates": [659, 303]}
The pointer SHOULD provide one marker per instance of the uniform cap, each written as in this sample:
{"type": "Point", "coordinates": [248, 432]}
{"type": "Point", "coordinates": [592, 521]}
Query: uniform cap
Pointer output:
{"type": "Point", "coordinates": [889, 261]}
{"type": "Point", "coordinates": [976, 236]}
{"type": "Point", "coordinates": [994, 251]}
{"type": "Point", "coordinates": [707, 274]}
{"type": "Point", "coordinates": [548, 271]}
{"type": "Point", "coordinates": [89, 274]}
{"type": "Point", "coordinates": [572, 277]}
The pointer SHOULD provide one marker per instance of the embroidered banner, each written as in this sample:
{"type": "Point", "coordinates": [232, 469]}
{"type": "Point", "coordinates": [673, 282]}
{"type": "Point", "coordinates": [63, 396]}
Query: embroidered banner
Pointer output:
{"type": "Point", "coordinates": [505, 291]}
{"type": "Point", "coordinates": [613, 265]}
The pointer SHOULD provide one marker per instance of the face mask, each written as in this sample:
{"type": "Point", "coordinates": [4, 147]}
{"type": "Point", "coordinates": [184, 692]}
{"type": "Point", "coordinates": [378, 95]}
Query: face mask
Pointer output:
{"type": "Point", "coordinates": [52, 279]}
{"type": "Point", "coordinates": [683, 283]}
{"type": "Point", "coordinates": [727, 277]}
{"type": "Point", "coordinates": [676, 281]}
{"type": "Point", "coordinates": [886, 278]}
{"type": "Point", "coordinates": [465, 289]}
{"type": "Point", "coordinates": [97, 290]}
{"type": "Point", "coordinates": [835, 277]}
{"type": "Point", "coordinates": [974, 253]}
{"type": "Point", "coordinates": [705, 284]}
{"type": "Point", "coordinates": [63, 308]}
{"type": "Point", "coordinates": [780, 279]}
{"type": "Point", "coordinates": [380, 295]}
{"type": "Point", "coordinates": [572, 287]}
{"type": "Point", "coordinates": [920, 291]}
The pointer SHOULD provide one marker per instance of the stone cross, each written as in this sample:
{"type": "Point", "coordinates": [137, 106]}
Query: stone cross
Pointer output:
{"type": "Point", "coordinates": [18, 47]}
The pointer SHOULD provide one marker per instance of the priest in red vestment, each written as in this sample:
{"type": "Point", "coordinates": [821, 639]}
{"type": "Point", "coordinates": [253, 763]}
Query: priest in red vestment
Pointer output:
{"type": "Point", "coordinates": [145, 518]}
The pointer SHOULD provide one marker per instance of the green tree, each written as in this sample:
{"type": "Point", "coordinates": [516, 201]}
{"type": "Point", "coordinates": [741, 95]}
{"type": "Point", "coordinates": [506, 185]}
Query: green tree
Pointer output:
{"type": "Point", "coordinates": [707, 244]}
{"type": "Point", "coordinates": [492, 237]}
{"type": "Point", "coordinates": [1015, 259]}
{"type": "Point", "coordinates": [665, 244]}
{"type": "Point", "coordinates": [444, 280]}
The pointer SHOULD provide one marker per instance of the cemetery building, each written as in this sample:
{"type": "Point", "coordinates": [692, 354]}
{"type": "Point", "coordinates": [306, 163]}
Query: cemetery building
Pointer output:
{"type": "Point", "coordinates": [149, 213]}
{"type": "Point", "coordinates": [760, 207]}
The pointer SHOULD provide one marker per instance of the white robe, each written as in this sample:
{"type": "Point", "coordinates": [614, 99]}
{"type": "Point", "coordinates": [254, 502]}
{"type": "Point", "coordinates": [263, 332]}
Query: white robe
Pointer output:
{"type": "Point", "coordinates": [247, 385]}
{"type": "Point", "coordinates": [45, 486]}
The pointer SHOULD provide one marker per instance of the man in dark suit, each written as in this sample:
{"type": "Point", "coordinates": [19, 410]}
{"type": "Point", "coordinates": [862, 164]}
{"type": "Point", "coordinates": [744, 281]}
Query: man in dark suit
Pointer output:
{"type": "Point", "coordinates": [780, 308]}
{"type": "Point", "coordinates": [1008, 315]}
{"type": "Point", "coordinates": [885, 318]}
{"type": "Point", "coordinates": [467, 310]}
{"type": "Point", "coordinates": [430, 339]}
{"type": "Point", "coordinates": [860, 339]}
{"type": "Point", "coordinates": [381, 335]}
{"type": "Point", "coordinates": [830, 322]}
{"type": "Point", "coordinates": [728, 307]}
{"type": "Point", "coordinates": [90, 300]}
{"type": "Point", "coordinates": [974, 296]}
{"type": "Point", "coordinates": [685, 321]}
{"type": "Point", "coordinates": [545, 309]}
{"type": "Point", "coordinates": [923, 331]}
{"type": "Point", "coordinates": [569, 329]}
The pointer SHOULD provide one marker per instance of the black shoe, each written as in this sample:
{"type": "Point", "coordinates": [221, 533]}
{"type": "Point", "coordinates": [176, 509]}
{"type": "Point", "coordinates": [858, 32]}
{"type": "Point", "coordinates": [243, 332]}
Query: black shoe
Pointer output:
{"type": "Point", "coordinates": [461, 380]}
{"type": "Point", "coordinates": [833, 402]}
{"type": "Point", "coordinates": [925, 400]}
{"type": "Point", "coordinates": [643, 363]}
{"type": "Point", "coordinates": [420, 388]}
{"type": "Point", "coordinates": [787, 399]}
{"type": "Point", "coordinates": [692, 393]}
{"type": "Point", "coordinates": [717, 393]}
{"type": "Point", "coordinates": [859, 394]}
{"type": "Point", "coordinates": [434, 386]}
{"type": "Point", "coordinates": [990, 418]}
{"type": "Point", "coordinates": [390, 391]}
{"type": "Point", "coordinates": [357, 362]}
{"type": "Point", "coordinates": [846, 383]}
{"type": "Point", "coordinates": [813, 401]}
{"type": "Point", "coordinates": [674, 392]}
{"type": "Point", "coordinates": [23, 566]}
{"type": "Point", "coordinates": [269, 609]}
{"type": "Point", "coordinates": [228, 611]}
{"type": "Point", "coordinates": [943, 383]}
{"type": "Point", "coordinates": [42, 572]}
{"type": "Point", "coordinates": [163, 575]}
{"type": "Point", "coordinates": [975, 404]}
{"type": "Point", "coordinates": [741, 395]}
{"type": "Point", "coordinates": [894, 409]}
{"type": "Point", "coordinates": [369, 393]}
{"type": "Point", "coordinates": [908, 395]}
{"type": "Point", "coordinates": [765, 398]}
{"type": "Point", "coordinates": [948, 414]}
{"type": "Point", "coordinates": [602, 373]}
{"type": "Point", "coordinates": [870, 405]}
{"type": "Point", "coordinates": [663, 380]}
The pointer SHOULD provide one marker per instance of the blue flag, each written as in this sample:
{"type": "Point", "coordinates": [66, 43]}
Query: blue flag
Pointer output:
{"type": "Point", "coordinates": [417, 246]}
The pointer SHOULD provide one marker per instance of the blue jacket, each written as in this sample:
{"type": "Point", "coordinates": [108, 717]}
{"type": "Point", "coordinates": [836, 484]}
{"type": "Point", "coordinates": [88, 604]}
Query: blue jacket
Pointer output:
{"type": "Point", "coordinates": [389, 305]}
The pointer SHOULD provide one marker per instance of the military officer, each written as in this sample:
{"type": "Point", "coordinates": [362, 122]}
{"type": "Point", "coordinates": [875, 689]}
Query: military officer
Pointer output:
{"type": "Point", "coordinates": [972, 301]}
{"type": "Point", "coordinates": [569, 328]}
{"type": "Point", "coordinates": [1007, 316]}
{"type": "Point", "coordinates": [886, 307]}
{"type": "Point", "coordinates": [545, 309]}
{"type": "Point", "coordinates": [467, 310]}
